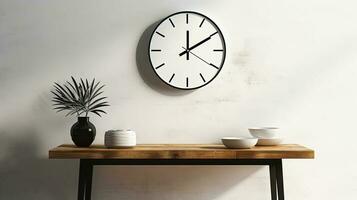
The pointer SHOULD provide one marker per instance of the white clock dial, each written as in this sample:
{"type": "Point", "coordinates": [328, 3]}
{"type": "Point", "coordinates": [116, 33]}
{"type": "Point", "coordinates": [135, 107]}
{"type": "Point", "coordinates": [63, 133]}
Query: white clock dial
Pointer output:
{"type": "Point", "coordinates": [187, 50]}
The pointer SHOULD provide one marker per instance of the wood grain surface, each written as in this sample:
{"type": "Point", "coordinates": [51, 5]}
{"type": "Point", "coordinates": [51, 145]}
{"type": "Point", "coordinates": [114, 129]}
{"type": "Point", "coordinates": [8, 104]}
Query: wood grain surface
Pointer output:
{"type": "Point", "coordinates": [181, 151]}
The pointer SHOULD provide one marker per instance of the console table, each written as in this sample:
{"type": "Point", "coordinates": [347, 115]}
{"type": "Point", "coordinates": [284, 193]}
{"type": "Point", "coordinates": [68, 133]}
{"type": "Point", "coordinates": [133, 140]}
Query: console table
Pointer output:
{"type": "Point", "coordinates": [181, 154]}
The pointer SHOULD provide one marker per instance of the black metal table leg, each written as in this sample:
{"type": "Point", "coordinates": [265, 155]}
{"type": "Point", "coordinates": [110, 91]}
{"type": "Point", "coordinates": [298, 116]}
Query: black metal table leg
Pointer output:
{"type": "Point", "coordinates": [81, 180]}
{"type": "Point", "coordinates": [85, 180]}
{"type": "Point", "coordinates": [272, 173]}
{"type": "Point", "coordinates": [89, 176]}
{"type": "Point", "coordinates": [280, 179]}
{"type": "Point", "coordinates": [86, 171]}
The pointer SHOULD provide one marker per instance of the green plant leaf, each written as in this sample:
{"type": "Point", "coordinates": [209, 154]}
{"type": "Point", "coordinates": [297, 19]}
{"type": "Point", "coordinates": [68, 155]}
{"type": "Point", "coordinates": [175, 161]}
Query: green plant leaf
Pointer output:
{"type": "Point", "coordinates": [97, 112]}
{"type": "Point", "coordinates": [96, 93]}
{"type": "Point", "coordinates": [79, 97]}
{"type": "Point", "coordinates": [73, 88]}
{"type": "Point", "coordinates": [87, 84]}
{"type": "Point", "coordinates": [84, 88]}
{"type": "Point", "coordinates": [104, 104]}
{"type": "Point", "coordinates": [58, 96]}
{"type": "Point", "coordinates": [73, 97]}
{"type": "Point", "coordinates": [92, 87]}
{"type": "Point", "coordinates": [66, 94]}
{"type": "Point", "coordinates": [96, 101]}
{"type": "Point", "coordinates": [75, 85]}
{"type": "Point", "coordinates": [59, 92]}
{"type": "Point", "coordinates": [95, 88]}
{"type": "Point", "coordinates": [94, 96]}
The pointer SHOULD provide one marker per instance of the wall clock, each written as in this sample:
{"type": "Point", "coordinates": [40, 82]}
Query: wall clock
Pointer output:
{"type": "Point", "coordinates": [187, 50]}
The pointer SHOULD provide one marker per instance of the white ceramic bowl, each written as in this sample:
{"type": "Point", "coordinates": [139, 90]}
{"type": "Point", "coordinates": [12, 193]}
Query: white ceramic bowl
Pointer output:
{"type": "Point", "coordinates": [269, 141]}
{"type": "Point", "coordinates": [264, 132]}
{"type": "Point", "coordinates": [239, 142]}
{"type": "Point", "coordinates": [120, 138]}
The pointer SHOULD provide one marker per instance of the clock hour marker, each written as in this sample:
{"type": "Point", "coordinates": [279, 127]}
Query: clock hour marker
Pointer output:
{"type": "Point", "coordinates": [186, 18]}
{"type": "Point", "coordinates": [155, 49]}
{"type": "Point", "coordinates": [202, 22]}
{"type": "Point", "coordinates": [160, 66]}
{"type": "Point", "coordinates": [202, 78]}
{"type": "Point", "coordinates": [186, 81]}
{"type": "Point", "coordinates": [171, 78]}
{"type": "Point", "coordinates": [213, 66]}
{"type": "Point", "coordinates": [217, 49]}
{"type": "Point", "coordinates": [160, 34]}
{"type": "Point", "coordinates": [173, 25]}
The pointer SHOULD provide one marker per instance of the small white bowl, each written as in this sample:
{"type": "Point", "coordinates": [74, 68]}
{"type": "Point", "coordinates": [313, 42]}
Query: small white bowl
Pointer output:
{"type": "Point", "coordinates": [120, 138]}
{"type": "Point", "coordinates": [264, 132]}
{"type": "Point", "coordinates": [239, 142]}
{"type": "Point", "coordinates": [269, 141]}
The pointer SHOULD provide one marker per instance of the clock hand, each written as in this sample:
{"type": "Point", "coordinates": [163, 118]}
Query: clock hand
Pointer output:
{"type": "Point", "coordinates": [194, 46]}
{"type": "Point", "coordinates": [187, 44]}
{"type": "Point", "coordinates": [200, 58]}
{"type": "Point", "coordinates": [198, 44]}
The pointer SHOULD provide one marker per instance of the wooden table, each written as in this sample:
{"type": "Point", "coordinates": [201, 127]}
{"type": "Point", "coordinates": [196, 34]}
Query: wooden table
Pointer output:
{"type": "Point", "coordinates": [181, 154]}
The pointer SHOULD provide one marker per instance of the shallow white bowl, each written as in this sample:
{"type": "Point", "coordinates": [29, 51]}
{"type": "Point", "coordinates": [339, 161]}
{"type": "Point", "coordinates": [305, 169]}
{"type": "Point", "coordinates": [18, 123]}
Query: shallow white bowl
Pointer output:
{"type": "Point", "coordinates": [239, 142]}
{"type": "Point", "coordinates": [269, 141]}
{"type": "Point", "coordinates": [120, 138]}
{"type": "Point", "coordinates": [264, 132]}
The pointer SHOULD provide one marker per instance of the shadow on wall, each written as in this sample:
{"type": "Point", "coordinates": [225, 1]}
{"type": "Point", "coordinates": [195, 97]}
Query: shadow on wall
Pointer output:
{"type": "Point", "coordinates": [25, 170]}
{"type": "Point", "coordinates": [145, 69]}
{"type": "Point", "coordinates": [168, 182]}
{"type": "Point", "coordinates": [25, 174]}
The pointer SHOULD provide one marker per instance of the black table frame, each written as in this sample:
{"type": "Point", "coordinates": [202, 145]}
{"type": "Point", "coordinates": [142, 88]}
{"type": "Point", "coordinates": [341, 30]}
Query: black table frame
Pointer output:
{"type": "Point", "coordinates": [86, 170]}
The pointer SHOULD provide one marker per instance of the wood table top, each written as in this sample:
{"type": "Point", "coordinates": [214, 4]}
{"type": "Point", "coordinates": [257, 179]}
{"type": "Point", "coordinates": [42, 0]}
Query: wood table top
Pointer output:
{"type": "Point", "coordinates": [181, 151]}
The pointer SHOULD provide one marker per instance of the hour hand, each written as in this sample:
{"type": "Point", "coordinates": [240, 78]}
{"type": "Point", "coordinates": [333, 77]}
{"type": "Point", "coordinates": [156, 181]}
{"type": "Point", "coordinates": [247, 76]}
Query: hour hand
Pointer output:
{"type": "Point", "coordinates": [198, 44]}
{"type": "Point", "coordinates": [187, 44]}
{"type": "Point", "coordinates": [194, 46]}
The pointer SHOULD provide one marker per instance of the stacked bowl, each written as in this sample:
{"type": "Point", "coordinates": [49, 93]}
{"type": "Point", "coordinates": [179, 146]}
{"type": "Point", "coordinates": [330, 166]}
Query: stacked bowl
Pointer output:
{"type": "Point", "coordinates": [120, 138]}
{"type": "Point", "coordinates": [239, 142]}
{"type": "Point", "coordinates": [267, 136]}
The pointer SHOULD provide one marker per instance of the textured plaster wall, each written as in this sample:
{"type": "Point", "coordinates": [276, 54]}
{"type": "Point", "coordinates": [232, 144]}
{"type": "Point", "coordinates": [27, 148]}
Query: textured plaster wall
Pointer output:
{"type": "Point", "coordinates": [289, 63]}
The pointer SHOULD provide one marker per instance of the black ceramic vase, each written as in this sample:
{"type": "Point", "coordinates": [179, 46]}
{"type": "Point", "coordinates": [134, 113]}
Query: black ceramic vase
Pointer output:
{"type": "Point", "coordinates": [83, 132]}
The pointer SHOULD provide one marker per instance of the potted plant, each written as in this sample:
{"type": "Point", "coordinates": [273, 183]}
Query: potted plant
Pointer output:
{"type": "Point", "coordinates": [80, 98]}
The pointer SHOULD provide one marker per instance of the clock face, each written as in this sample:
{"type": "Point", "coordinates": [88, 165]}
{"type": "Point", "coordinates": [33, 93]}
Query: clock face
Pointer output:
{"type": "Point", "coordinates": [187, 50]}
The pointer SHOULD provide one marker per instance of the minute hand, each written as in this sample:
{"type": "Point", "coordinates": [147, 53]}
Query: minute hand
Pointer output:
{"type": "Point", "coordinates": [196, 45]}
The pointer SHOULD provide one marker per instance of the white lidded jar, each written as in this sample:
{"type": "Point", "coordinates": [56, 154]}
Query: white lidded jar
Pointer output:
{"type": "Point", "coordinates": [120, 138]}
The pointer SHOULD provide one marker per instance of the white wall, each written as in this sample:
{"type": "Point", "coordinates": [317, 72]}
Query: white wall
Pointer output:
{"type": "Point", "coordinates": [289, 63]}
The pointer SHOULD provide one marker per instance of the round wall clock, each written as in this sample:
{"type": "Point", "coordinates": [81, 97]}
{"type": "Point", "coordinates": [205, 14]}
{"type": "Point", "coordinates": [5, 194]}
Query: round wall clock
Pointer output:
{"type": "Point", "coordinates": [187, 50]}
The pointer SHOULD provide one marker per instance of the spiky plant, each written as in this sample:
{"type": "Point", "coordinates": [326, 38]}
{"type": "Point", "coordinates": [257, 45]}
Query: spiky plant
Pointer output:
{"type": "Point", "coordinates": [79, 97]}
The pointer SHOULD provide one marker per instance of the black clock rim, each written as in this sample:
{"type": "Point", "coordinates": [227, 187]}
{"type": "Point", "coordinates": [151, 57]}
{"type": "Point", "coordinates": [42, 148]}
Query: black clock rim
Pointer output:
{"type": "Point", "coordinates": [219, 32]}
